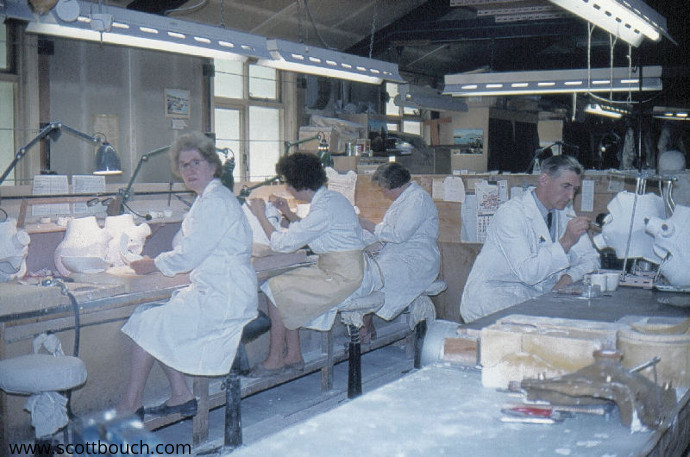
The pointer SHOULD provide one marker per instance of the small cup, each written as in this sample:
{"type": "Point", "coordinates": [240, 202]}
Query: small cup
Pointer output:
{"type": "Point", "coordinates": [612, 281]}
{"type": "Point", "coordinates": [599, 279]}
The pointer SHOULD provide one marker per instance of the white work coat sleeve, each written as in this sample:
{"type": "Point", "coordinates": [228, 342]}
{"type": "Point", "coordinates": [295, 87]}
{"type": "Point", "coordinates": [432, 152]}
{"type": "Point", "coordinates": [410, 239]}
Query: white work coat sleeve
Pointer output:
{"type": "Point", "coordinates": [406, 223]}
{"type": "Point", "coordinates": [301, 233]}
{"type": "Point", "coordinates": [531, 261]}
{"type": "Point", "coordinates": [583, 258]}
{"type": "Point", "coordinates": [200, 236]}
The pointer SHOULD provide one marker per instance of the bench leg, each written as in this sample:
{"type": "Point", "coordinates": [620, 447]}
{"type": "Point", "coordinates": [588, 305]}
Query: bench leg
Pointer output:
{"type": "Point", "coordinates": [200, 420]}
{"type": "Point", "coordinates": [419, 334]}
{"type": "Point", "coordinates": [327, 370]}
{"type": "Point", "coordinates": [233, 417]}
{"type": "Point", "coordinates": [354, 369]}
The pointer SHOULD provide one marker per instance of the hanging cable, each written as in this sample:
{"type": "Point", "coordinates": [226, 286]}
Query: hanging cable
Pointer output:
{"type": "Point", "coordinates": [187, 9]}
{"type": "Point", "coordinates": [373, 28]}
{"type": "Point", "coordinates": [313, 23]}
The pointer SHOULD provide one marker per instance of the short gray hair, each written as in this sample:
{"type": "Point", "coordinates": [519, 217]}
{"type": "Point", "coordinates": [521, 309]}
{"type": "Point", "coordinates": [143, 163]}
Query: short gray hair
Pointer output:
{"type": "Point", "coordinates": [555, 165]}
{"type": "Point", "coordinates": [391, 176]}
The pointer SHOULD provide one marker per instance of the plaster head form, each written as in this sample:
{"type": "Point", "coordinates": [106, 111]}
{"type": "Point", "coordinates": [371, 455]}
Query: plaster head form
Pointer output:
{"type": "Point", "coordinates": [671, 237]}
{"type": "Point", "coordinates": [83, 238]}
{"type": "Point", "coordinates": [117, 226]}
{"type": "Point", "coordinates": [617, 224]}
{"type": "Point", "coordinates": [14, 246]}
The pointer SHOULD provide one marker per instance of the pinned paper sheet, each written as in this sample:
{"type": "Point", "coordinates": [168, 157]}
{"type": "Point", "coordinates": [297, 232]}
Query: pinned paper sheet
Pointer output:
{"type": "Point", "coordinates": [587, 203]}
{"type": "Point", "coordinates": [50, 185]}
{"type": "Point", "coordinates": [87, 184]}
{"type": "Point", "coordinates": [438, 190]}
{"type": "Point", "coordinates": [453, 189]}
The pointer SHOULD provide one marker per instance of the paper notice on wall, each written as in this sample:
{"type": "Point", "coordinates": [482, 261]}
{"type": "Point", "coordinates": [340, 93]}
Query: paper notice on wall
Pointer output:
{"type": "Point", "coordinates": [88, 184]}
{"type": "Point", "coordinates": [50, 185]}
{"type": "Point", "coordinates": [616, 184]}
{"type": "Point", "coordinates": [503, 191]}
{"type": "Point", "coordinates": [468, 214]}
{"type": "Point", "coordinates": [453, 189]}
{"type": "Point", "coordinates": [587, 203]}
{"type": "Point", "coordinates": [437, 189]}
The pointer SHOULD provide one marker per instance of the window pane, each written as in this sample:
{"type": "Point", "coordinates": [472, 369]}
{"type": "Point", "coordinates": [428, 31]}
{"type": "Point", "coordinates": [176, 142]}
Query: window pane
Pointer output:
{"type": "Point", "coordinates": [262, 82]}
{"type": "Point", "coordinates": [412, 127]}
{"type": "Point", "coordinates": [7, 127]}
{"type": "Point", "coordinates": [228, 80]}
{"type": "Point", "coordinates": [3, 46]}
{"type": "Point", "coordinates": [264, 142]}
{"type": "Point", "coordinates": [392, 127]}
{"type": "Point", "coordinates": [391, 108]}
{"type": "Point", "coordinates": [228, 129]}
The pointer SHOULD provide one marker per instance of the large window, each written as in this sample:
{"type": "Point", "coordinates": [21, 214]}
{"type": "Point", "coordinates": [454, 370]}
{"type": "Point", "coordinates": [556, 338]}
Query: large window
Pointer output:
{"type": "Point", "coordinates": [248, 117]}
{"type": "Point", "coordinates": [6, 107]}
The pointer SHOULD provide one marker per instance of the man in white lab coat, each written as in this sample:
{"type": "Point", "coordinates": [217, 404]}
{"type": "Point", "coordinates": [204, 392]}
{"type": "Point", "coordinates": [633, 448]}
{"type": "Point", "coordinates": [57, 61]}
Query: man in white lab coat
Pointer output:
{"type": "Point", "coordinates": [523, 256]}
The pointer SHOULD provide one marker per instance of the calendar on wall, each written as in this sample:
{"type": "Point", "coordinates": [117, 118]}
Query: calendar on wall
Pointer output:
{"type": "Point", "coordinates": [487, 204]}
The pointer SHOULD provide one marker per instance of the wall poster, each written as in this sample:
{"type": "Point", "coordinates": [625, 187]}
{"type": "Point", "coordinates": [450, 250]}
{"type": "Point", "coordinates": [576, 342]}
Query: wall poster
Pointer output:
{"type": "Point", "coordinates": [177, 103]}
{"type": "Point", "coordinates": [468, 141]}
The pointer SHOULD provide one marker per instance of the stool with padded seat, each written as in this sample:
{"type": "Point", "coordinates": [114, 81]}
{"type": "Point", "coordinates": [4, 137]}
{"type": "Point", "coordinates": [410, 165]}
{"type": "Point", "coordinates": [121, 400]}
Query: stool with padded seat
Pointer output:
{"type": "Point", "coordinates": [417, 312]}
{"type": "Point", "coordinates": [35, 374]}
{"type": "Point", "coordinates": [352, 312]}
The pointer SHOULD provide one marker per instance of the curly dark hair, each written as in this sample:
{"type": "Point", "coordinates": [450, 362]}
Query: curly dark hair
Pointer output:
{"type": "Point", "coordinates": [302, 171]}
{"type": "Point", "coordinates": [391, 176]}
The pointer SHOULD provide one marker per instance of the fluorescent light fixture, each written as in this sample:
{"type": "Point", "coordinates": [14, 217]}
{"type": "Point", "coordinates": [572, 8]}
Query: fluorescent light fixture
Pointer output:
{"type": "Point", "coordinates": [672, 114]}
{"type": "Point", "coordinates": [113, 25]}
{"type": "Point", "coordinates": [302, 58]}
{"type": "Point", "coordinates": [606, 110]}
{"type": "Point", "coordinates": [427, 98]}
{"type": "Point", "coordinates": [629, 20]}
{"type": "Point", "coordinates": [552, 81]}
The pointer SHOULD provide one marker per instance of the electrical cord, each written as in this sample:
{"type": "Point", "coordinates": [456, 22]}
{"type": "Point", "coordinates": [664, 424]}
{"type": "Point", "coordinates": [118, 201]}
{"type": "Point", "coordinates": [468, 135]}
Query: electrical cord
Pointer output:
{"type": "Point", "coordinates": [147, 216]}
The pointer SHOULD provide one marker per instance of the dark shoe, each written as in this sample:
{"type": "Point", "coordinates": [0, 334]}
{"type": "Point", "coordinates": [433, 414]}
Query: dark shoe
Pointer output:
{"type": "Point", "coordinates": [297, 366]}
{"type": "Point", "coordinates": [185, 409]}
{"type": "Point", "coordinates": [140, 413]}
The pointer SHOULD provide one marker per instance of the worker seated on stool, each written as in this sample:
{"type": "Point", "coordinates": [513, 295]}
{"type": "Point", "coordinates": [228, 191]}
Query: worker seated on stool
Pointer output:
{"type": "Point", "coordinates": [332, 231]}
{"type": "Point", "coordinates": [409, 259]}
{"type": "Point", "coordinates": [197, 332]}
{"type": "Point", "coordinates": [534, 244]}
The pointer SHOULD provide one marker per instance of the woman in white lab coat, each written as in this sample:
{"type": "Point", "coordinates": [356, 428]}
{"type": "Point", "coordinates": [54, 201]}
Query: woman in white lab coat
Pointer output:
{"type": "Point", "coordinates": [332, 231]}
{"type": "Point", "coordinates": [521, 258]}
{"type": "Point", "coordinates": [409, 259]}
{"type": "Point", "coordinates": [197, 332]}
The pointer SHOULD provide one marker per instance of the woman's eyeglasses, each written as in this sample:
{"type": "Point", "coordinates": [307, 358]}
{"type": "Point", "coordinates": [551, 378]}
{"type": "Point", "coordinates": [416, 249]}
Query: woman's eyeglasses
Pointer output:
{"type": "Point", "coordinates": [191, 165]}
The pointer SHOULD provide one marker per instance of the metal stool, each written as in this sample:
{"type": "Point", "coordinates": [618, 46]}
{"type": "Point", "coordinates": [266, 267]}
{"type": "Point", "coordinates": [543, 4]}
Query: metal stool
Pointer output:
{"type": "Point", "coordinates": [352, 312]}
{"type": "Point", "coordinates": [36, 374]}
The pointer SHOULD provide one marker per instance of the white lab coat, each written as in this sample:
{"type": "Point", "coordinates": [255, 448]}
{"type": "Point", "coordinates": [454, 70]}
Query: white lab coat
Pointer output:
{"type": "Point", "coordinates": [519, 261]}
{"type": "Point", "coordinates": [197, 332]}
{"type": "Point", "coordinates": [410, 259]}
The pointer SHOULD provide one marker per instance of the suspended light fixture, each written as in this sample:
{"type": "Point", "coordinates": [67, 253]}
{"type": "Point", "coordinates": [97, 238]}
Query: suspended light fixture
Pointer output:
{"type": "Point", "coordinates": [427, 98]}
{"type": "Point", "coordinates": [606, 110]}
{"type": "Point", "coordinates": [671, 114]}
{"type": "Point", "coordinates": [618, 79]}
{"type": "Point", "coordinates": [629, 20]}
{"type": "Point", "coordinates": [302, 58]}
{"type": "Point", "coordinates": [109, 24]}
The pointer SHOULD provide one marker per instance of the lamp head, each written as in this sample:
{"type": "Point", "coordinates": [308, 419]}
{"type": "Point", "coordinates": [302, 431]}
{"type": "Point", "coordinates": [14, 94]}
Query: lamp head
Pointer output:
{"type": "Point", "coordinates": [107, 160]}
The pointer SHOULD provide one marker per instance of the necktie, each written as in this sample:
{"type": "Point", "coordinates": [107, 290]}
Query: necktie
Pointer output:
{"type": "Point", "coordinates": [549, 222]}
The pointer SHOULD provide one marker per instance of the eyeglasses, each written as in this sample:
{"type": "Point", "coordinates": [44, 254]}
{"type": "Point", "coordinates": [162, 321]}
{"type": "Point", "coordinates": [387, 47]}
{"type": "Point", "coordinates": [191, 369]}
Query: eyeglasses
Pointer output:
{"type": "Point", "coordinates": [191, 165]}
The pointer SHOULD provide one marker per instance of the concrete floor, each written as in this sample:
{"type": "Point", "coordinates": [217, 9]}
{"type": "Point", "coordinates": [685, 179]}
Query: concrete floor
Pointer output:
{"type": "Point", "coordinates": [272, 410]}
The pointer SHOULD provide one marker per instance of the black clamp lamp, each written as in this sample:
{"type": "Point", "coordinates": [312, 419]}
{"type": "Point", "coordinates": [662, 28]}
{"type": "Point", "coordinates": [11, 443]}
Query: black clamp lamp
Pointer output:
{"type": "Point", "coordinates": [107, 160]}
{"type": "Point", "coordinates": [117, 206]}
